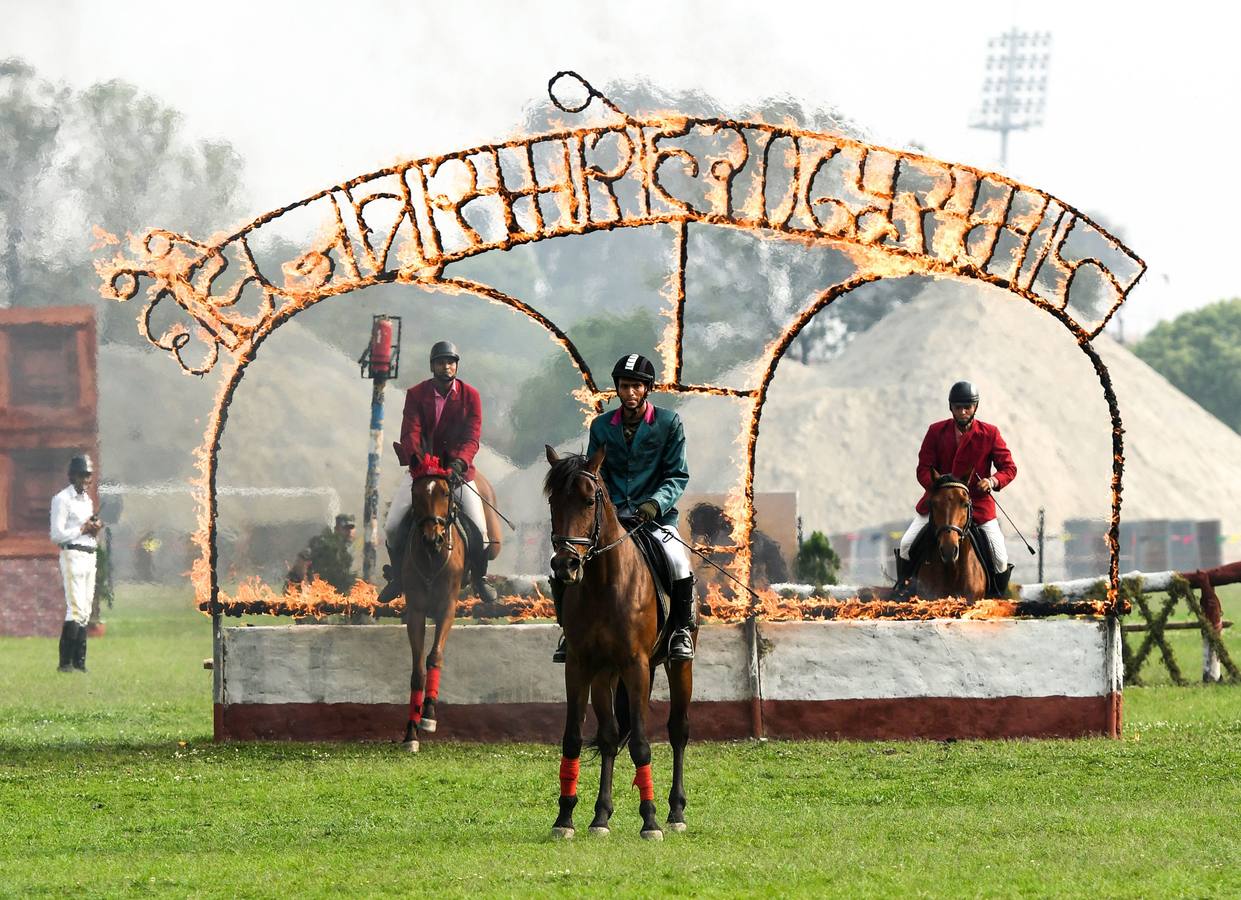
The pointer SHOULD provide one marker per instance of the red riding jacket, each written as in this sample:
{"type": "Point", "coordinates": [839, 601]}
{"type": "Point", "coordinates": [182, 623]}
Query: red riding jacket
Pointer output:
{"type": "Point", "coordinates": [456, 434]}
{"type": "Point", "coordinates": [980, 448]}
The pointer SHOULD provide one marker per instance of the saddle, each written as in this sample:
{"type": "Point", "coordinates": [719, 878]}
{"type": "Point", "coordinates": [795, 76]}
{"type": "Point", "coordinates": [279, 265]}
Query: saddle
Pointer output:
{"type": "Point", "coordinates": [653, 554]}
{"type": "Point", "coordinates": [924, 546]}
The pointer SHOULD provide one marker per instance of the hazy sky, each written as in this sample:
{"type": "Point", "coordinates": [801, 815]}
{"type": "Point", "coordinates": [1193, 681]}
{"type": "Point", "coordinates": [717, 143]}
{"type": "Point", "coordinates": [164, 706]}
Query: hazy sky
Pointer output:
{"type": "Point", "coordinates": [1141, 108]}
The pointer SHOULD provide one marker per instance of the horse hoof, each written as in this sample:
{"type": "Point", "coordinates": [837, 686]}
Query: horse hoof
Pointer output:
{"type": "Point", "coordinates": [653, 835]}
{"type": "Point", "coordinates": [676, 826]}
{"type": "Point", "coordinates": [562, 834]}
{"type": "Point", "coordinates": [411, 746]}
{"type": "Point", "coordinates": [600, 830]}
{"type": "Point", "coordinates": [427, 725]}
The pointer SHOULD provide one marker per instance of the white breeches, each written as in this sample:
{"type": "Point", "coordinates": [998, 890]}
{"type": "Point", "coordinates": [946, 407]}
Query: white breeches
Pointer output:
{"type": "Point", "coordinates": [999, 550]}
{"type": "Point", "coordinates": [77, 570]}
{"type": "Point", "coordinates": [466, 496]}
{"type": "Point", "coordinates": [674, 551]}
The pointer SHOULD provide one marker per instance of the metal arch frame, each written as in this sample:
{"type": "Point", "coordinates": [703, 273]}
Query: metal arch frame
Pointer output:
{"type": "Point", "coordinates": [873, 216]}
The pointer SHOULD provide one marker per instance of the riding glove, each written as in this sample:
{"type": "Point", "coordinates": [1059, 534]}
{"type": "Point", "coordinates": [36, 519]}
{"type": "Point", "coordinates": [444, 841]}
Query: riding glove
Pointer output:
{"type": "Point", "coordinates": [647, 511]}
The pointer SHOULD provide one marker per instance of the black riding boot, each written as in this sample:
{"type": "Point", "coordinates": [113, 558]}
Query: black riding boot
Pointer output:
{"type": "Point", "coordinates": [680, 642]}
{"type": "Point", "coordinates": [905, 569]}
{"type": "Point", "coordinates": [482, 589]}
{"type": "Point", "coordinates": [1001, 583]}
{"type": "Point", "coordinates": [68, 642]}
{"type": "Point", "coordinates": [392, 572]}
{"type": "Point", "coordinates": [79, 650]}
{"type": "Point", "coordinates": [557, 598]}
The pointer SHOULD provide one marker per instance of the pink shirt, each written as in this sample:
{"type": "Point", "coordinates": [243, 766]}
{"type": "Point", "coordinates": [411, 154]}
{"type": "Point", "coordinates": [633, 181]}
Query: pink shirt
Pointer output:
{"type": "Point", "coordinates": [441, 399]}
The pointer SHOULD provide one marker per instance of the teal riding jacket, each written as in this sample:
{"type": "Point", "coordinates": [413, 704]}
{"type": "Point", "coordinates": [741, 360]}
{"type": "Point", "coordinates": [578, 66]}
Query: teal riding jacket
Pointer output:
{"type": "Point", "coordinates": [653, 467]}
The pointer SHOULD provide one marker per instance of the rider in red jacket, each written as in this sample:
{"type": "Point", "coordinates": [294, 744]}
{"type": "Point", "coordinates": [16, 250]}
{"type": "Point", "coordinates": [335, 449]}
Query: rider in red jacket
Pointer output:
{"type": "Point", "coordinates": [443, 417]}
{"type": "Point", "coordinates": [969, 449]}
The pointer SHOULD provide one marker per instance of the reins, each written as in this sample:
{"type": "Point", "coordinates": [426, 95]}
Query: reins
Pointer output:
{"type": "Point", "coordinates": [591, 541]}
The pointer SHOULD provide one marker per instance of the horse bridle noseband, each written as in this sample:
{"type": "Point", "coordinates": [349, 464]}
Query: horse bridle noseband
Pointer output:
{"type": "Point", "coordinates": [446, 522]}
{"type": "Point", "coordinates": [591, 542]}
{"type": "Point", "coordinates": [969, 511]}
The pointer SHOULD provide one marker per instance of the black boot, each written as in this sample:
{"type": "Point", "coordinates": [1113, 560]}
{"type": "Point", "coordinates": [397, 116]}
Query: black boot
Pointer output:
{"type": "Point", "coordinates": [557, 598]}
{"type": "Point", "coordinates": [681, 642]}
{"type": "Point", "coordinates": [79, 650]}
{"type": "Point", "coordinates": [68, 641]}
{"type": "Point", "coordinates": [905, 569]}
{"type": "Point", "coordinates": [482, 589]}
{"type": "Point", "coordinates": [392, 573]}
{"type": "Point", "coordinates": [1001, 583]}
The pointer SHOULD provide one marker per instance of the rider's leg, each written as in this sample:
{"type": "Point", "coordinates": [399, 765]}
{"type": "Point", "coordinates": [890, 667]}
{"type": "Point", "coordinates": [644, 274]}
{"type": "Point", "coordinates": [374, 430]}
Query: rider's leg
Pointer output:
{"type": "Point", "coordinates": [395, 536]}
{"type": "Point", "coordinates": [683, 620]}
{"type": "Point", "coordinates": [472, 508]}
{"type": "Point", "coordinates": [999, 554]}
{"type": "Point", "coordinates": [905, 567]}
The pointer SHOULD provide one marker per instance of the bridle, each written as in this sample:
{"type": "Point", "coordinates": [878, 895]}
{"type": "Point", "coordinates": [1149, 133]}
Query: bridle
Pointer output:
{"type": "Point", "coordinates": [591, 541]}
{"type": "Point", "coordinates": [446, 522]}
{"type": "Point", "coordinates": [969, 511]}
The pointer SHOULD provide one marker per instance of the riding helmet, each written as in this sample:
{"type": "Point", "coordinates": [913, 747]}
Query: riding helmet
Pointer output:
{"type": "Point", "coordinates": [445, 348]}
{"type": "Point", "coordinates": [635, 366]}
{"type": "Point", "coordinates": [80, 465]}
{"type": "Point", "coordinates": [963, 392]}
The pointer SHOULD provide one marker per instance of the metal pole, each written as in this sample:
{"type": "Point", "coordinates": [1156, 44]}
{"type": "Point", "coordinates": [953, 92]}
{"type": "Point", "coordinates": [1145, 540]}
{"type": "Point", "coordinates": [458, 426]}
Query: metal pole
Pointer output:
{"type": "Point", "coordinates": [1041, 521]}
{"type": "Point", "coordinates": [370, 501]}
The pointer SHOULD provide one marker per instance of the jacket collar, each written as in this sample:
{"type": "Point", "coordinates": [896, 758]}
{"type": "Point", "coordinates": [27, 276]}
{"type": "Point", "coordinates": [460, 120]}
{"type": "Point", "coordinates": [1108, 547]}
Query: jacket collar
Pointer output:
{"type": "Point", "coordinates": [648, 417]}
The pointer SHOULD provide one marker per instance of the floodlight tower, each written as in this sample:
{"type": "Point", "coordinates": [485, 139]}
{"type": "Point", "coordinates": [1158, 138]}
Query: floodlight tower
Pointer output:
{"type": "Point", "coordinates": [1014, 89]}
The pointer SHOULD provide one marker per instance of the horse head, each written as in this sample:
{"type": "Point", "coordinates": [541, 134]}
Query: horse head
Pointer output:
{"type": "Point", "coordinates": [578, 504]}
{"type": "Point", "coordinates": [951, 514]}
{"type": "Point", "coordinates": [431, 504]}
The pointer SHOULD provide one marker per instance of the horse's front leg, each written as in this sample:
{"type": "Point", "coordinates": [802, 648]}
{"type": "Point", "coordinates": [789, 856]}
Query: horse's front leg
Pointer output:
{"type": "Point", "coordinates": [435, 662]}
{"type": "Point", "coordinates": [575, 684]}
{"type": "Point", "coordinates": [416, 631]}
{"type": "Point", "coordinates": [681, 688]}
{"type": "Point", "coordinates": [638, 683]}
{"type": "Point", "coordinates": [608, 742]}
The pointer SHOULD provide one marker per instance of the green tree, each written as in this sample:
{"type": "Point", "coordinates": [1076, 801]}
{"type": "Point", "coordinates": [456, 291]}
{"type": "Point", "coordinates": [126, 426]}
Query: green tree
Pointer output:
{"type": "Point", "coordinates": [545, 411]}
{"type": "Point", "coordinates": [817, 562]}
{"type": "Point", "coordinates": [1200, 353]}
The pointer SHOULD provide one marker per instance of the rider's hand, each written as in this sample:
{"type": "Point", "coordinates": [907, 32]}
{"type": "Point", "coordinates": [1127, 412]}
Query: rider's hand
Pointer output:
{"type": "Point", "coordinates": [647, 511]}
{"type": "Point", "coordinates": [985, 485]}
{"type": "Point", "coordinates": [458, 467]}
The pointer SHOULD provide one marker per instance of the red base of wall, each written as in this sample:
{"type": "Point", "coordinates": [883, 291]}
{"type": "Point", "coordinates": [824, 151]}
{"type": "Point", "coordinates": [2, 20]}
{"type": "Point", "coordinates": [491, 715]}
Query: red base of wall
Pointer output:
{"type": "Point", "coordinates": [929, 718]}
{"type": "Point", "coordinates": [32, 601]}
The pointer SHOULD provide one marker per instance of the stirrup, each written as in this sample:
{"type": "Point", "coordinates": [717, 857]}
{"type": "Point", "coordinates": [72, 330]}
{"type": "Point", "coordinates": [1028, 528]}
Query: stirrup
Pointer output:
{"type": "Point", "coordinates": [560, 654]}
{"type": "Point", "coordinates": [680, 644]}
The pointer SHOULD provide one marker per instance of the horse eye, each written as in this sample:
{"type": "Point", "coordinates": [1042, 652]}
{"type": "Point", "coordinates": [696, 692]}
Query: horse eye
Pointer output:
{"type": "Point", "coordinates": [590, 501]}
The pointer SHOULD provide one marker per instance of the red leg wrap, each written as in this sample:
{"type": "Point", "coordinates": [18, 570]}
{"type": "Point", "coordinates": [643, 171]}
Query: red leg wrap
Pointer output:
{"type": "Point", "coordinates": [644, 783]}
{"type": "Point", "coordinates": [568, 776]}
{"type": "Point", "coordinates": [415, 706]}
{"type": "Point", "coordinates": [433, 683]}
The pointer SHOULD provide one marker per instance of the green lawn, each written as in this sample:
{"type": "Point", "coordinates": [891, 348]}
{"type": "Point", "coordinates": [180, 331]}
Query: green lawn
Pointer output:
{"type": "Point", "coordinates": [109, 784]}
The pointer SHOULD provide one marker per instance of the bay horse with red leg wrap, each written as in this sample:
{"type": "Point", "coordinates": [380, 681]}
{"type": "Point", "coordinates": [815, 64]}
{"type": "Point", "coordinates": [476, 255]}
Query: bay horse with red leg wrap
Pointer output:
{"type": "Point", "coordinates": [952, 569]}
{"type": "Point", "coordinates": [432, 571]}
{"type": "Point", "coordinates": [610, 618]}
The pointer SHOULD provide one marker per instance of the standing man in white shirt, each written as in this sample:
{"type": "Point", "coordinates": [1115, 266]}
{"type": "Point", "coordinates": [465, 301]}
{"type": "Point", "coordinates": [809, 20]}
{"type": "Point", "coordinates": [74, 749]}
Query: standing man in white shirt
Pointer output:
{"type": "Point", "coordinates": [74, 530]}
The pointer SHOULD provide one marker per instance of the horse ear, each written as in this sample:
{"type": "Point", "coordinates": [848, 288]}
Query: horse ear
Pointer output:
{"type": "Point", "coordinates": [596, 459]}
{"type": "Point", "coordinates": [934, 474]}
{"type": "Point", "coordinates": [552, 458]}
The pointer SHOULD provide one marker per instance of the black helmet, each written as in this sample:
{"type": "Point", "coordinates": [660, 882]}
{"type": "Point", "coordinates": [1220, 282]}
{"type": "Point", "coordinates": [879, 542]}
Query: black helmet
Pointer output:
{"type": "Point", "coordinates": [963, 392]}
{"type": "Point", "coordinates": [445, 348]}
{"type": "Point", "coordinates": [80, 465]}
{"type": "Point", "coordinates": [635, 366]}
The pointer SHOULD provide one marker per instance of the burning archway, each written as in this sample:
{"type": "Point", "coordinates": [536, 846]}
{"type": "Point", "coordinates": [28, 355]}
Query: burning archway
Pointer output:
{"type": "Point", "coordinates": [891, 212]}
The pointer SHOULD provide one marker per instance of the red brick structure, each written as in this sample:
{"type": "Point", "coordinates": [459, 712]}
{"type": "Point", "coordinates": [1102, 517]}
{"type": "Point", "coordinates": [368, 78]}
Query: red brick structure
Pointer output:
{"type": "Point", "coordinates": [48, 412]}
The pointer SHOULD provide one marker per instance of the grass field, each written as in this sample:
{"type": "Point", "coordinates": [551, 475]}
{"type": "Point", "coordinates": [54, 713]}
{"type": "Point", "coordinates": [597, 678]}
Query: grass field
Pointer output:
{"type": "Point", "coordinates": [109, 784]}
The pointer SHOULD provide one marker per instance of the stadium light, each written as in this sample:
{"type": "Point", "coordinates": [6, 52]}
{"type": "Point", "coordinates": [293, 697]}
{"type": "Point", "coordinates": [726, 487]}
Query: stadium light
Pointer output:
{"type": "Point", "coordinates": [1014, 88]}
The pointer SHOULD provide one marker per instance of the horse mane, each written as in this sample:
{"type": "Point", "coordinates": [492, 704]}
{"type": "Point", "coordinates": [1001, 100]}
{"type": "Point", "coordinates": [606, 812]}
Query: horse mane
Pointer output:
{"type": "Point", "coordinates": [560, 476]}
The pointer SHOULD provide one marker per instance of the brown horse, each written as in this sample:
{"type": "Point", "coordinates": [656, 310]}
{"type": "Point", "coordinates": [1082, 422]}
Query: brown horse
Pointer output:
{"type": "Point", "coordinates": [953, 569]}
{"type": "Point", "coordinates": [432, 573]}
{"type": "Point", "coordinates": [609, 615]}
